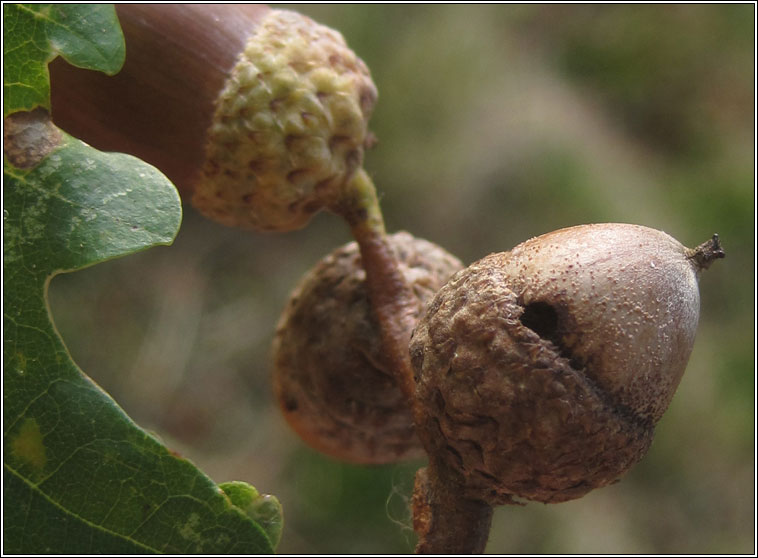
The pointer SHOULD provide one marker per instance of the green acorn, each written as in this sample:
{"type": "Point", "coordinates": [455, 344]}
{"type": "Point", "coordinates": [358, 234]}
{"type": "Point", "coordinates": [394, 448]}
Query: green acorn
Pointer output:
{"type": "Point", "coordinates": [290, 127]}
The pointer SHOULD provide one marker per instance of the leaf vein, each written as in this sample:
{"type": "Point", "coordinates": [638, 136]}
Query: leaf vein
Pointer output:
{"type": "Point", "coordinates": [36, 489]}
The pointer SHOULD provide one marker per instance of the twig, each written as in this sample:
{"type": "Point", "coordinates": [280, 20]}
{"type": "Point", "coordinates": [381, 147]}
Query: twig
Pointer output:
{"type": "Point", "coordinates": [444, 521]}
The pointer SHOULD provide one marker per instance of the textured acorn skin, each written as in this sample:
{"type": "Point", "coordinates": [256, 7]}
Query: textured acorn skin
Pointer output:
{"type": "Point", "coordinates": [551, 411]}
{"type": "Point", "coordinates": [331, 377]}
{"type": "Point", "coordinates": [290, 127]}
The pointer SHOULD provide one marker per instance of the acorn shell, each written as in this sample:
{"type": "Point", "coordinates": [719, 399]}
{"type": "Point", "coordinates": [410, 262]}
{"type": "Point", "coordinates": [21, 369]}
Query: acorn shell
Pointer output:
{"type": "Point", "coordinates": [331, 377]}
{"type": "Point", "coordinates": [542, 371]}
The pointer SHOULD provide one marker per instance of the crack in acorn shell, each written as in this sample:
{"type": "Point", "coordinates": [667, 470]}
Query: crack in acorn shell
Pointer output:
{"type": "Point", "coordinates": [585, 366]}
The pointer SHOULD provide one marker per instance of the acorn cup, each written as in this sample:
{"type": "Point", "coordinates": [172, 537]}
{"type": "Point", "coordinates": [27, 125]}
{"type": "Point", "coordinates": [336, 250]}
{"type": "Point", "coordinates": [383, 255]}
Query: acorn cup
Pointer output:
{"type": "Point", "coordinates": [331, 376]}
{"type": "Point", "coordinates": [289, 128]}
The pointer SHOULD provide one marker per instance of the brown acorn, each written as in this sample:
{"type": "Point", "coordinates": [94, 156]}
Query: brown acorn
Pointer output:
{"type": "Point", "coordinates": [160, 106]}
{"type": "Point", "coordinates": [332, 378]}
{"type": "Point", "coordinates": [258, 115]}
{"type": "Point", "coordinates": [542, 371]}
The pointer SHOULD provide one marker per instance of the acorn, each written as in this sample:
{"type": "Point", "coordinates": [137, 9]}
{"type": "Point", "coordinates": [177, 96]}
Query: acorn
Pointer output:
{"type": "Point", "coordinates": [332, 378]}
{"type": "Point", "coordinates": [258, 115]}
{"type": "Point", "coordinates": [541, 372]}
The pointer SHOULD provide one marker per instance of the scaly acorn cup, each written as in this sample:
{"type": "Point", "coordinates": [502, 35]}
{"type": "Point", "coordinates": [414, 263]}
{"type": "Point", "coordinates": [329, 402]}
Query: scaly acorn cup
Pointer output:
{"type": "Point", "coordinates": [331, 377]}
{"type": "Point", "coordinates": [542, 371]}
{"type": "Point", "coordinates": [290, 127]}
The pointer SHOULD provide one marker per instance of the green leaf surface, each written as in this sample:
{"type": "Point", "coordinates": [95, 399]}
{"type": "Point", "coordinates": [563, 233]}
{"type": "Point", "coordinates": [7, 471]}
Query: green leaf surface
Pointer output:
{"type": "Point", "coordinates": [79, 475]}
{"type": "Point", "coordinates": [86, 35]}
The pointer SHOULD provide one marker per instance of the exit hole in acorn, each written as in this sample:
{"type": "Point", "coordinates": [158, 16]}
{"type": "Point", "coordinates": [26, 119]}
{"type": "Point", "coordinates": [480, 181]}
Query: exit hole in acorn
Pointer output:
{"type": "Point", "coordinates": [542, 319]}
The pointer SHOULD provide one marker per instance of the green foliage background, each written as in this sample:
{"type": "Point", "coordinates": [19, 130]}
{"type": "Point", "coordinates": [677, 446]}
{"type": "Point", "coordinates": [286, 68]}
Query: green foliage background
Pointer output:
{"type": "Point", "coordinates": [495, 123]}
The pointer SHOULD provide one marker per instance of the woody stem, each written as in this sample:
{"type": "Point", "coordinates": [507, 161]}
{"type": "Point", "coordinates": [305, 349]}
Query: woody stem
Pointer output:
{"type": "Point", "coordinates": [444, 521]}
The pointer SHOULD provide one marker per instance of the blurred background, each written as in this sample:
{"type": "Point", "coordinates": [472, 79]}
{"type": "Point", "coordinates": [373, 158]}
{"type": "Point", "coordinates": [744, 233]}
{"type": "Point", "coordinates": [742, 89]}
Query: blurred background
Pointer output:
{"type": "Point", "coordinates": [496, 123]}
